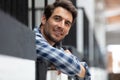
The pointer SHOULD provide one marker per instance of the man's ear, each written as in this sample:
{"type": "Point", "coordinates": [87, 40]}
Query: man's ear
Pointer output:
{"type": "Point", "coordinates": [43, 20]}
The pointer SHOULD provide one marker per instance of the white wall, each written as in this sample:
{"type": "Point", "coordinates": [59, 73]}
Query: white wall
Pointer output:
{"type": "Point", "coordinates": [13, 68]}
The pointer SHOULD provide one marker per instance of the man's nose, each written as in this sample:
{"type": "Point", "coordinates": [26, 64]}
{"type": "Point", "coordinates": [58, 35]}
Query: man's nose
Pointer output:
{"type": "Point", "coordinates": [62, 24]}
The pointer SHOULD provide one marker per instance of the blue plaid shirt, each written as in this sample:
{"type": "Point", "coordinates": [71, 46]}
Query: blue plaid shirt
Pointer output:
{"type": "Point", "coordinates": [67, 63]}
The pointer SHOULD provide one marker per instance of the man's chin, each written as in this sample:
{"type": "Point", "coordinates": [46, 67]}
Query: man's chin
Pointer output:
{"type": "Point", "coordinates": [57, 40]}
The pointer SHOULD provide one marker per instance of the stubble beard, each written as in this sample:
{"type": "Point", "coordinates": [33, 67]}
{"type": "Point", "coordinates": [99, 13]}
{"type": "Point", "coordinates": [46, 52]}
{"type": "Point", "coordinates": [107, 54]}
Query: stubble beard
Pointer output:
{"type": "Point", "coordinates": [49, 36]}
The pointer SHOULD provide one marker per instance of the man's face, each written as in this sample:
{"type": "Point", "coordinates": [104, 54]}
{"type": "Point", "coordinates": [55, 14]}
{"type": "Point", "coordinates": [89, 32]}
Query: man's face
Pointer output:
{"type": "Point", "coordinates": [58, 25]}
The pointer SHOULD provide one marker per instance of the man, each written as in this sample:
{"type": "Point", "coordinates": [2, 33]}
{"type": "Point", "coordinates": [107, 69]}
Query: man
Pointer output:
{"type": "Point", "coordinates": [55, 25]}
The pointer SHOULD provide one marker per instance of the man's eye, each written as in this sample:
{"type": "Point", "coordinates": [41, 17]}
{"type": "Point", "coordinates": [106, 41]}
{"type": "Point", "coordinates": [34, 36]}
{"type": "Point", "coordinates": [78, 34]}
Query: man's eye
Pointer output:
{"type": "Point", "coordinates": [68, 23]}
{"type": "Point", "coordinates": [57, 18]}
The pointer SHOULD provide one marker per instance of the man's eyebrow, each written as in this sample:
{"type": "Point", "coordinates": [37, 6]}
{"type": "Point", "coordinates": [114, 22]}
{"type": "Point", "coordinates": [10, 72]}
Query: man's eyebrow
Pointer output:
{"type": "Point", "coordinates": [57, 16]}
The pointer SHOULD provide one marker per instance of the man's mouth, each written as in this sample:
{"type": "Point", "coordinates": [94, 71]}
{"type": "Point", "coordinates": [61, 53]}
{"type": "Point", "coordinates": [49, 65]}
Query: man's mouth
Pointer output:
{"type": "Point", "coordinates": [58, 33]}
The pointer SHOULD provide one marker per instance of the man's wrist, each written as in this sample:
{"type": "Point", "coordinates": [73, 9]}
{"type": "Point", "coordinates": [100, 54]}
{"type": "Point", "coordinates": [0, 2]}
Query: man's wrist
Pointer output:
{"type": "Point", "coordinates": [87, 72]}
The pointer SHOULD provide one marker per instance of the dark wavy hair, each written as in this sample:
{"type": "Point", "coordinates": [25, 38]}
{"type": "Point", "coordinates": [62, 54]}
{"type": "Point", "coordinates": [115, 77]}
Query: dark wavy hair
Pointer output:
{"type": "Point", "coordinates": [67, 4]}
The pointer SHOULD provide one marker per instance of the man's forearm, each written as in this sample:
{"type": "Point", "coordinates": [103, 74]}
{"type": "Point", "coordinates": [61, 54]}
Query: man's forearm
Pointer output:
{"type": "Point", "coordinates": [82, 71]}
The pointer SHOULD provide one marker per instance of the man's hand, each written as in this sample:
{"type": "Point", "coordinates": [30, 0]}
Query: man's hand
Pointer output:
{"type": "Point", "coordinates": [82, 72]}
{"type": "Point", "coordinates": [67, 51]}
